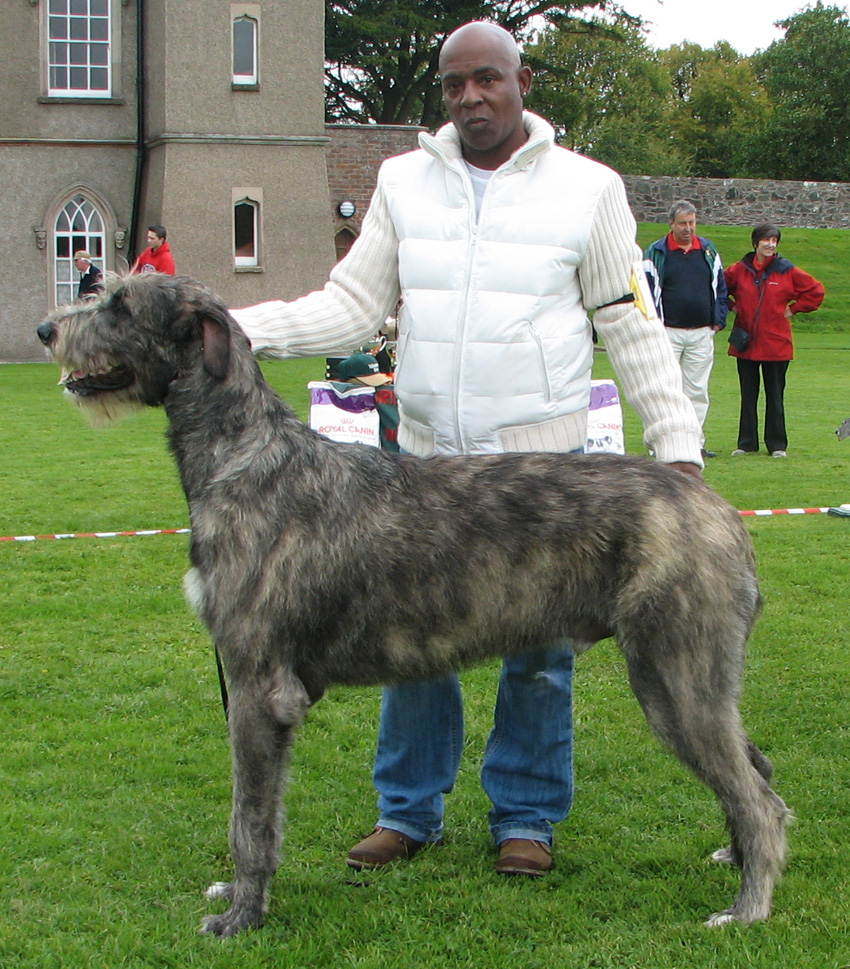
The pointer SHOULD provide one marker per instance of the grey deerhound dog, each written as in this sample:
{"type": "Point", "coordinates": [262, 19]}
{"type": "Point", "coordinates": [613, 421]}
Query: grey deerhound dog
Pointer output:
{"type": "Point", "coordinates": [318, 564]}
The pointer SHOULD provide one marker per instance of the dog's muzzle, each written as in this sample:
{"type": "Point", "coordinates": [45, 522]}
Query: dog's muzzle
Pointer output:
{"type": "Point", "coordinates": [88, 384]}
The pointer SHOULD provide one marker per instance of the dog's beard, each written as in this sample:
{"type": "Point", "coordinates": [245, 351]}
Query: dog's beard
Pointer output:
{"type": "Point", "coordinates": [103, 409]}
{"type": "Point", "coordinates": [103, 391]}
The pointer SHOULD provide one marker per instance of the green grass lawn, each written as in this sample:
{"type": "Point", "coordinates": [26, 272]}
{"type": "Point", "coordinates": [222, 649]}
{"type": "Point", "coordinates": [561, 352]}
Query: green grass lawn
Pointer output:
{"type": "Point", "coordinates": [114, 763]}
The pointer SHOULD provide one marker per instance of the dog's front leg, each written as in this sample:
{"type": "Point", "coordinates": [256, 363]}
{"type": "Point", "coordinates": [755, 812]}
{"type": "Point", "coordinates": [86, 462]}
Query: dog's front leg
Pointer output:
{"type": "Point", "coordinates": [262, 718]}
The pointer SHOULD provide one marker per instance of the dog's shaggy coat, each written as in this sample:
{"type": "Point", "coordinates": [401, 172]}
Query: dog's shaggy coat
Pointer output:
{"type": "Point", "coordinates": [318, 564]}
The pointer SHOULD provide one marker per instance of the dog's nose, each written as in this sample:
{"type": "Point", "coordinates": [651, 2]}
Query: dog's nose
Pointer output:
{"type": "Point", "coordinates": [45, 332]}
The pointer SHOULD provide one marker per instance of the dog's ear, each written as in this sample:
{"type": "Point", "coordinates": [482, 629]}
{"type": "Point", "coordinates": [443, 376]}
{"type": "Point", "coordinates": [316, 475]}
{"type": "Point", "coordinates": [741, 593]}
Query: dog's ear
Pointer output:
{"type": "Point", "coordinates": [216, 352]}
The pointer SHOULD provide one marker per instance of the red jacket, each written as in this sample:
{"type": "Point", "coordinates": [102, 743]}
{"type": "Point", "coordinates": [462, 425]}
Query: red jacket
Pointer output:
{"type": "Point", "coordinates": [157, 260]}
{"type": "Point", "coordinates": [759, 297]}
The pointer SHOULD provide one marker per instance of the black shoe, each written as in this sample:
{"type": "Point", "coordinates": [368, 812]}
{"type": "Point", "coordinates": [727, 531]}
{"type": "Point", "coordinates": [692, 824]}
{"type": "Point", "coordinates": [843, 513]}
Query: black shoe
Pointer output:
{"type": "Point", "coordinates": [709, 454]}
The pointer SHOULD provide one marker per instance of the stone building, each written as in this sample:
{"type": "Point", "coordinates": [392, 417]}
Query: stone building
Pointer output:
{"type": "Point", "coordinates": [207, 117]}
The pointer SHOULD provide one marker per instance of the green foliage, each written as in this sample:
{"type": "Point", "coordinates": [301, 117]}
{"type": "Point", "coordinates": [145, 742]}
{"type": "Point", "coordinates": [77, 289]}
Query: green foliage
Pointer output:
{"type": "Point", "coordinates": [115, 770]}
{"type": "Point", "coordinates": [714, 102]}
{"type": "Point", "coordinates": [604, 91]}
{"type": "Point", "coordinates": [682, 111]}
{"type": "Point", "coordinates": [381, 55]}
{"type": "Point", "coordinates": [783, 113]}
{"type": "Point", "coordinates": [807, 77]}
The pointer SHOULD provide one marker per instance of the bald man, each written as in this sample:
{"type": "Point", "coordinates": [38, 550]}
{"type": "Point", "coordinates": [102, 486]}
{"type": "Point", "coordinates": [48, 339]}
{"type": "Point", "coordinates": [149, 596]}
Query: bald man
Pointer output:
{"type": "Point", "coordinates": [499, 244]}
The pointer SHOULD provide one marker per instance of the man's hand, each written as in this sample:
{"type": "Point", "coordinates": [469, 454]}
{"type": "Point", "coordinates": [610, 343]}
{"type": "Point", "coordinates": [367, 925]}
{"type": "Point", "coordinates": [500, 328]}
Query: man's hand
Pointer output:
{"type": "Point", "coordinates": [686, 468]}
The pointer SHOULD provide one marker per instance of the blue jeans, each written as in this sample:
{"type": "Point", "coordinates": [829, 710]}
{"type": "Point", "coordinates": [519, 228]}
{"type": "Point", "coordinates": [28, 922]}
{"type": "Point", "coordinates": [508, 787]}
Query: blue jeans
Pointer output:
{"type": "Point", "coordinates": [528, 762]}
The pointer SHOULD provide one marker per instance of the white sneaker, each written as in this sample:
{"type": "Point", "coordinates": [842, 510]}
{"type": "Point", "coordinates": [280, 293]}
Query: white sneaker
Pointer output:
{"type": "Point", "coordinates": [779, 454]}
{"type": "Point", "coordinates": [738, 451]}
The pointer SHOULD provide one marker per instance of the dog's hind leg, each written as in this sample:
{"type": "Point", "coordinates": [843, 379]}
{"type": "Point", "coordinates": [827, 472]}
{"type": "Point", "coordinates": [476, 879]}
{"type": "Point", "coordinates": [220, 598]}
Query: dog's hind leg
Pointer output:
{"type": "Point", "coordinates": [263, 715]}
{"type": "Point", "coordinates": [729, 854]}
{"type": "Point", "coordinates": [757, 818]}
{"type": "Point", "coordinates": [695, 711]}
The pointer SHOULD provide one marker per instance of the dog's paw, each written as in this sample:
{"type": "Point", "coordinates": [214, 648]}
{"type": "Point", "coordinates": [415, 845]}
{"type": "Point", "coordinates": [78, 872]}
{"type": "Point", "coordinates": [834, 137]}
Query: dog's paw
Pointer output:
{"type": "Point", "coordinates": [230, 924]}
{"type": "Point", "coordinates": [246, 912]}
{"type": "Point", "coordinates": [723, 856]}
{"type": "Point", "coordinates": [740, 915]}
{"type": "Point", "coordinates": [219, 925]}
{"type": "Point", "coordinates": [220, 890]}
{"type": "Point", "coordinates": [720, 918]}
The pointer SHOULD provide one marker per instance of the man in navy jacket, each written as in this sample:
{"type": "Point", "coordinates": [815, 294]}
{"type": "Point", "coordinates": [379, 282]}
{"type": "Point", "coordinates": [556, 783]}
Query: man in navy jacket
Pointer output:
{"type": "Point", "coordinates": [686, 278]}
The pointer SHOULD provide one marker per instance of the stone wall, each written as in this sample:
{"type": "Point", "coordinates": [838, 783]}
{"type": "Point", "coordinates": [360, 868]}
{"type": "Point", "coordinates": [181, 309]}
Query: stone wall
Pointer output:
{"type": "Point", "coordinates": [356, 151]}
{"type": "Point", "coordinates": [743, 201]}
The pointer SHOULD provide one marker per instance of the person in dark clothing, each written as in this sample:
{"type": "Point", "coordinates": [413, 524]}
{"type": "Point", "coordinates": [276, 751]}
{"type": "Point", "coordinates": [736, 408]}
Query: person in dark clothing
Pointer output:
{"type": "Point", "coordinates": [686, 279]}
{"type": "Point", "coordinates": [91, 278]}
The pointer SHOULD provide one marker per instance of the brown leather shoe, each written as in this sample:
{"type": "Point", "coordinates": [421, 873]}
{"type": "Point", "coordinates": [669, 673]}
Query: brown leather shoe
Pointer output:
{"type": "Point", "coordinates": [380, 848]}
{"type": "Point", "coordinates": [519, 856]}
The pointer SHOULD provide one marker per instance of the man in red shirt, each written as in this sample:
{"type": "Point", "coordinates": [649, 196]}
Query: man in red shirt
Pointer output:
{"type": "Point", "coordinates": [157, 257]}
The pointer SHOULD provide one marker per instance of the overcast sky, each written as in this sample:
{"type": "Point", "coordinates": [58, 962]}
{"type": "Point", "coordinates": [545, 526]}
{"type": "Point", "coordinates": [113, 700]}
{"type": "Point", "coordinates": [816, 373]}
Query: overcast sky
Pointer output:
{"type": "Point", "coordinates": [746, 24]}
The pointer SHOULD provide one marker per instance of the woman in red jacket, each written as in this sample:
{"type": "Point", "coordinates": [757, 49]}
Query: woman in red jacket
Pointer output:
{"type": "Point", "coordinates": [766, 290]}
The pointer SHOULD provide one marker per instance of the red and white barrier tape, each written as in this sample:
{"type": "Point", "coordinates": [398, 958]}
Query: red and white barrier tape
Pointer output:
{"type": "Point", "coordinates": [843, 510]}
{"type": "Point", "coordinates": [150, 531]}
{"type": "Point", "coordinates": [786, 511]}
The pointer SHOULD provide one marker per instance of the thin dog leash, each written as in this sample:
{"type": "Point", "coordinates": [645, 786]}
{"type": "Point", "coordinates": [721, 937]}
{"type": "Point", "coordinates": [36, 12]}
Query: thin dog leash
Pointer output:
{"type": "Point", "coordinates": [222, 684]}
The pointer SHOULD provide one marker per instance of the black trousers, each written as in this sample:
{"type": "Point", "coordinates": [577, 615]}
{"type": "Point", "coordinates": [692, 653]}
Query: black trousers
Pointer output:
{"type": "Point", "coordinates": [750, 374]}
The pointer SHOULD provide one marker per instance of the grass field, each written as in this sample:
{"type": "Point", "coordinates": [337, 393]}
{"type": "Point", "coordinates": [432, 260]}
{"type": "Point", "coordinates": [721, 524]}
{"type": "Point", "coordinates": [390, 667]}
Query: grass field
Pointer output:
{"type": "Point", "coordinates": [114, 763]}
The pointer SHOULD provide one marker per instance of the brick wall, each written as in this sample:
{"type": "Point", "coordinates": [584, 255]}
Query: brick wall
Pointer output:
{"type": "Point", "coordinates": [354, 154]}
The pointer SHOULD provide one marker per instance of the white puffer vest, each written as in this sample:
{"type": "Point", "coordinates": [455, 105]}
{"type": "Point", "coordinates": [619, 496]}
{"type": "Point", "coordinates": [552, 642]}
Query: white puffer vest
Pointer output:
{"type": "Point", "coordinates": [495, 346]}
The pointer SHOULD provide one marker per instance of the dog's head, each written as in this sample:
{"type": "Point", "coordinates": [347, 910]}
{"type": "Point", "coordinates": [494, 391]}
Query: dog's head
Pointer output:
{"type": "Point", "coordinates": [124, 350]}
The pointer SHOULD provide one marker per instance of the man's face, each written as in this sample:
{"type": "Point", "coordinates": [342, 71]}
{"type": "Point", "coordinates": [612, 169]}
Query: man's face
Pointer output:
{"type": "Point", "coordinates": [81, 264]}
{"type": "Point", "coordinates": [154, 241]}
{"type": "Point", "coordinates": [684, 228]}
{"type": "Point", "coordinates": [483, 86]}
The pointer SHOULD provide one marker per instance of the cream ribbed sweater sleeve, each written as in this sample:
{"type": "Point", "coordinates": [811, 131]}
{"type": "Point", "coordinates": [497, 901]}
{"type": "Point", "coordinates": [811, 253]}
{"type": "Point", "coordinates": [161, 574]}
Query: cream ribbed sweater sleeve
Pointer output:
{"type": "Point", "coordinates": [362, 291]}
{"type": "Point", "coordinates": [638, 347]}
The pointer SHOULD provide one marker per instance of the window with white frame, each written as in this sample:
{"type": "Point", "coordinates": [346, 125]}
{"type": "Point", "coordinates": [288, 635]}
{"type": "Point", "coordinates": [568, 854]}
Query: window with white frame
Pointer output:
{"type": "Point", "coordinates": [246, 231]}
{"type": "Point", "coordinates": [79, 56]}
{"type": "Point", "coordinates": [78, 225]}
{"type": "Point", "coordinates": [245, 46]}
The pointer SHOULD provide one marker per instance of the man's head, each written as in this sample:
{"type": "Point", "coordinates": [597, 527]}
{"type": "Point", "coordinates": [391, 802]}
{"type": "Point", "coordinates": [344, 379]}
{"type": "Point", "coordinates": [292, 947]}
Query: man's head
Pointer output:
{"type": "Point", "coordinates": [156, 235]}
{"type": "Point", "coordinates": [484, 82]}
{"type": "Point", "coordinates": [683, 223]}
{"type": "Point", "coordinates": [362, 368]}
{"type": "Point", "coordinates": [82, 260]}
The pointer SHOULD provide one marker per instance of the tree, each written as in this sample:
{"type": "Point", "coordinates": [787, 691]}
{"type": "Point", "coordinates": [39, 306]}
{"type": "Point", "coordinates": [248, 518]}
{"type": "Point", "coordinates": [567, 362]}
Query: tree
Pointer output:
{"type": "Point", "coordinates": [605, 92]}
{"type": "Point", "coordinates": [807, 77]}
{"type": "Point", "coordinates": [381, 55]}
{"type": "Point", "coordinates": [715, 101]}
